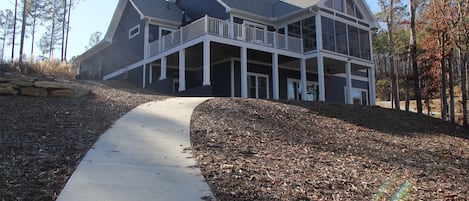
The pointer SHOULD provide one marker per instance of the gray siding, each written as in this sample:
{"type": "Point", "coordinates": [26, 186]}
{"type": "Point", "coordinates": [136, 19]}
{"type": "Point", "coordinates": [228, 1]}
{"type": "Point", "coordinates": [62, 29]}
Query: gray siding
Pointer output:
{"type": "Point", "coordinates": [196, 9]}
{"type": "Point", "coordinates": [123, 51]}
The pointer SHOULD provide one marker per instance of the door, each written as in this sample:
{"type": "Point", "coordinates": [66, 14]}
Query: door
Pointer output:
{"type": "Point", "coordinates": [258, 86]}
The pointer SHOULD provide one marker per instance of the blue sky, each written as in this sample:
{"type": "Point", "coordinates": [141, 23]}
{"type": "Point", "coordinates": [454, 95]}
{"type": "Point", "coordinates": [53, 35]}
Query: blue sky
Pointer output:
{"type": "Point", "coordinates": [90, 16]}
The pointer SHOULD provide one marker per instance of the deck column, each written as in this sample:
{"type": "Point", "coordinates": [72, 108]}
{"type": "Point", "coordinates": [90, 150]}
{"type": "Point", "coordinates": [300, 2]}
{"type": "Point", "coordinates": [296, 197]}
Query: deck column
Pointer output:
{"type": "Point", "coordinates": [206, 78]}
{"type": "Point", "coordinates": [348, 83]}
{"type": "Point", "coordinates": [232, 78]}
{"type": "Point", "coordinates": [371, 85]}
{"type": "Point", "coordinates": [303, 78]}
{"type": "Point", "coordinates": [163, 68]}
{"type": "Point", "coordinates": [150, 79]}
{"type": "Point", "coordinates": [182, 70]}
{"type": "Point", "coordinates": [275, 76]}
{"type": "Point", "coordinates": [244, 72]}
{"type": "Point", "coordinates": [321, 82]}
{"type": "Point", "coordinates": [145, 53]}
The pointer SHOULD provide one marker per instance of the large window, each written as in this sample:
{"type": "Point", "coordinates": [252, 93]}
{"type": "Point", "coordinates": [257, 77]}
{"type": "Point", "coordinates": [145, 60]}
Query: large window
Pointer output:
{"type": "Point", "coordinates": [341, 37]}
{"type": "Point", "coordinates": [294, 90]}
{"type": "Point", "coordinates": [350, 7]}
{"type": "Point", "coordinates": [309, 34]}
{"type": "Point", "coordinates": [305, 29]}
{"type": "Point", "coordinates": [353, 43]}
{"type": "Point", "coordinates": [328, 34]}
{"type": "Point", "coordinates": [365, 45]}
{"type": "Point", "coordinates": [345, 39]}
{"type": "Point", "coordinates": [258, 86]}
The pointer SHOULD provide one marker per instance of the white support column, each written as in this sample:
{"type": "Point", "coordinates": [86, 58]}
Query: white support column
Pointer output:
{"type": "Point", "coordinates": [318, 32]}
{"type": "Point", "coordinates": [244, 72]}
{"type": "Point", "coordinates": [206, 78]}
{"type": "Point", "coordinates": [275, 84]}
{"type": "Point", "coordinates": [182, 70]}
{"type": "Point", "coordinates": [321, 82]}
{"type": "Point", "coordinates": [150, 80]}
{"type": "Point", "coordinates": [145, 53]}
{"type": "Point", "coordinates": [371, 85]}
{"type": "Point", "coordinates": [348, 83]}
{"type": "Point", "coordinates": [206, 23]}
{"type": "Point", "coordinates": [163, 68]}
{"type": "Point", "coordinates": [303, 78]}
{"type": "Point", "coordinates": [232, 78]}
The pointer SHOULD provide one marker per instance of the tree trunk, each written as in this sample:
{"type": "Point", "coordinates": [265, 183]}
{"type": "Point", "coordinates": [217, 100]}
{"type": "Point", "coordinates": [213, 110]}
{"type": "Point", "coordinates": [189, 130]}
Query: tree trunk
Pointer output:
{"type": "Point", "coordinates": [68, 28]}
{"type": "Point", "coordinates": [464, 87]}
{"type": "Point", "coordinates": [451, 88]}
{"type": "Point", "coordinates": [23, 30]}
{"type": "Point", "coordinates": [33, 31]}
{"type": "Point", "coordinates": [444, 102]}
{"type": "Point", "coordinates": [407, 94]}
{"type": "Point", "coordinates": [52, 33]}
{"type": "Point", "coordinates": [63, 30]}
{"type": "Point", "coordinates": [394, 87]}
{"type": "Point", "coordinates": [14, 32]}
{"type": "Point", "coordinates": [413, 57]}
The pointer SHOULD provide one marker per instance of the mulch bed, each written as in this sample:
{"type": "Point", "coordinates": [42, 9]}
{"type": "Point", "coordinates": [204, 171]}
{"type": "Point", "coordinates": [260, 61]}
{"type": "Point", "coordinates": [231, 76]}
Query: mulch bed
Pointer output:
{"type": "Point", "coordinates": [264, 150]}
{"type": "Point", "coordinates": [42, 140]}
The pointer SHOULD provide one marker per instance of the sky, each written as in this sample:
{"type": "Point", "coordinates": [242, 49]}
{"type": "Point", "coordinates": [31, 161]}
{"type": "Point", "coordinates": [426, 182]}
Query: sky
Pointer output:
{"type": "Point", "coordinates": [87, 17]}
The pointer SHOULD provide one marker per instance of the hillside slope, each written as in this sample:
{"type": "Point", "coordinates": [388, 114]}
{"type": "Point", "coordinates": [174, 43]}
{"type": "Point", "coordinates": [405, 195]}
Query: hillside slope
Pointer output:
{"type": "Point", "coordinates": [264, 150]}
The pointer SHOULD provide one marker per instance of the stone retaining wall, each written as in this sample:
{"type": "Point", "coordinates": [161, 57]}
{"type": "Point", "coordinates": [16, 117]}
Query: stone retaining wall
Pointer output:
{"type": "Point", "coordinates": [34, 87]}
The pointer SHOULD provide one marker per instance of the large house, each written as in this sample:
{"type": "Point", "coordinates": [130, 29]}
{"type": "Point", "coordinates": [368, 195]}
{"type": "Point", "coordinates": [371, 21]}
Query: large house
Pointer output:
{"type": "Point", "coordinates": [316, 50]}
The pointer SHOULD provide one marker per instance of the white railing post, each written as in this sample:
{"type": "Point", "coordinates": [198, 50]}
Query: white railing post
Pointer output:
{"type": "Point", "coordinates": [206, 24]}
{"type": "Point", "coordinates": [274, 40]}
{"type": "Point", "coordinates": [180, 35]}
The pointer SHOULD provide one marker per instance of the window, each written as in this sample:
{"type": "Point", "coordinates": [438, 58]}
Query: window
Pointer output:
{"type": "Point", "coordinates": [294, 90]}
{"type": "Point", "coordinates": [338, 5]}
{"type": "Point", "coordinates": [309, 34]}
{"type": "Point", "coordinates": [341, 37]}
{"type": "Point", "coordinates": [134, 31]}
{"type": "Point", "coordinates": [258, 86]}
{"type": "Point", "coordinates": [365, 45]}
{"type": "Point", "coordinates": [354, 46]}
{"type": "Point", "coordinates": [328, 38]}
{"type": "Point", "coordinates": [359, 96]}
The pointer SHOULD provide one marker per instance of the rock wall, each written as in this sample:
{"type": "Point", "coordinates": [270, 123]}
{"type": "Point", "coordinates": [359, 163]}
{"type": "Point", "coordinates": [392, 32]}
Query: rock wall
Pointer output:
{"type": "Point", "coordinates": [35, 87]}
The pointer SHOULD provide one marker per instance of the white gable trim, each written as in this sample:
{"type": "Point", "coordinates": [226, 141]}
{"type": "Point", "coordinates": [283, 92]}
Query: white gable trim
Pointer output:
{"type": "Point", "coordinates": [228, 9]}
{"type": "Point", "coordinates": [138, 10]}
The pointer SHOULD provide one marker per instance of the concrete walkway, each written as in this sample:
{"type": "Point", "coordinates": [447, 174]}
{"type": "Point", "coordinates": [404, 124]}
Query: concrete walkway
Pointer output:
{"type": "Point", "coordinates": [142, 157]}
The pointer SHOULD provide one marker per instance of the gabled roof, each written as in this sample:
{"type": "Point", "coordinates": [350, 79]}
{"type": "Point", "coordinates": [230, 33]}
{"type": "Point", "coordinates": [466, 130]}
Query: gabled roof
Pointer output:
{"type": "Point", "coordinates": [269, 8]}
{"type": "Point", "coordinates": [162, 10]}
{"type": "Point", "coordinates": [159, 9]}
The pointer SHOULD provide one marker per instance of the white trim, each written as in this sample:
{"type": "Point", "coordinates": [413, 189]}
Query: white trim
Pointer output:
{"type": "Point", "coordinates": [257, 75]}
{"type": "Point", "coordinates": [132, 35]}
{"type": "Point", "coordinates": [367, 103]}
{"type": "Point", "coordinates": [299, 82]}
{"type": "Point", "coordinates": [136, 8]}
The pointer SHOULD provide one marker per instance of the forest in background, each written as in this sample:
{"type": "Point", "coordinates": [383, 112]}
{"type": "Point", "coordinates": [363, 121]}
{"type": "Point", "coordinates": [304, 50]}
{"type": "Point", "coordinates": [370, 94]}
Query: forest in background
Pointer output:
{"type": "Point", "coordinates": [421, 53]}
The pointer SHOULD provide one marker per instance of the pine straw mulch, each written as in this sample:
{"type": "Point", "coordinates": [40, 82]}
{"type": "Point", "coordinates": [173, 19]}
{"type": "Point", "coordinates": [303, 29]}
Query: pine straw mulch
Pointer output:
{"type": "Point", "coordinates": [42, 140]}
{"type": "Point", "coordinates": [264, 150]}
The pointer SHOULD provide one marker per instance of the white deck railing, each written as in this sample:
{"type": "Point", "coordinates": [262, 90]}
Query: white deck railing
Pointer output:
{"type": "Point", "coordinates": [220, 28]}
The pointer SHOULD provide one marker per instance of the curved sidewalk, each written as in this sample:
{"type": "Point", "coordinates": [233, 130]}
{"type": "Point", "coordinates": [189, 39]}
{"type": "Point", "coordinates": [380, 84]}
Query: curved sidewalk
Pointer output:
{"type": "Point", "coordinates": [143, 156]}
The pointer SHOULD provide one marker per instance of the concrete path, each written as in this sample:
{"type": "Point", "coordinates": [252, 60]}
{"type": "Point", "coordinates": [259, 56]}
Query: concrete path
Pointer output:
{"type": "Point", "coordinates": [142, 157]}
